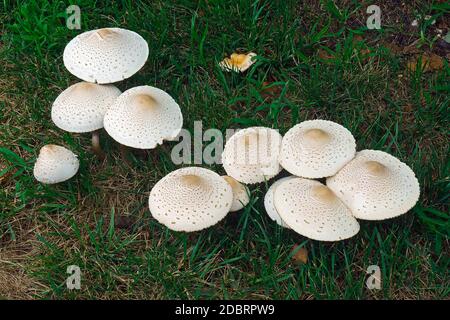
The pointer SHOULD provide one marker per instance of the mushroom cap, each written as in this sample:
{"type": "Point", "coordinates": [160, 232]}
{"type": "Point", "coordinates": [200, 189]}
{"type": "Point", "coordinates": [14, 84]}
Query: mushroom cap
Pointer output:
{"type": "Point", "coordinates": [314, 211]}
{"type": "Point", "coordinates": [240, 194]}
{"type": "Point", "coordinates": [238, 62]}
{"type": "Point", "coordinates": [82, 106]}
{"type": "Point", "coordinates": [105, 55]}
{"type": "Point", "coordinates": [55, 164]}
{"type": "Point", "coordinates": [190, 199]}
{"type": "Point", "coordinates": [142, 117]}
{"type": "Point", "coordinates": [251, 155]}
{"type": "Point", "coordinates": [269, 204]}
{"type": "Point", "coordinates": [376, 186]}
{"type": "Point", "coordinates": [316, 149]}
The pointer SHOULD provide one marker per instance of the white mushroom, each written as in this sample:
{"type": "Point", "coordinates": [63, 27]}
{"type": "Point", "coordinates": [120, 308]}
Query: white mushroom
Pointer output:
{"type": "Point", "coordinates": [240, 194]}
{"type": "Point", "coordinates": [190, 199]}
{"type": "Point", "coordinates": [105, 55]}
{"type": "Point", "coordinates": [313, 210]}
{"type": "Point", "coordinates": [251, 155]}
{"type": "Point", "coordinates": [55, 164]}
{"type": "Point", "coordinates": [269, 203]}
{"type": "Point", "coordinates": [142, 117]}
{"type": "Point", "coordinates": [82, 107]}
{"type": "Point", "coordinates": [316, 149]}
{"type": "Point", "coordinates": [376, 186]}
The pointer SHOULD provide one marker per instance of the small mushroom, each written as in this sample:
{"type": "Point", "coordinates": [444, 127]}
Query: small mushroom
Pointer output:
{"type": "Point", "coordinates": [55, 164]}
{"type": "Point", "coordinates": [316, 149]}
{"type": "Point", "coordinates": [190, 199]}
{"type": "Point", "coordinates": [240, 194]}
{"type": "Point", "coordinates": [251, 155]}
{"type": "Point", "coordinates": [105, 55]}
{"type": "Point", "coordinates": [82, 107]}
{"type": "Point", "coordinates": [238, 62]}
{"type": "Point", "coordinates": [142, 117]}
{"type": "Point", "coordinates": [314, 211]}
{"type": "Point", "coordinates": [376, 186]}
{"type": "Point", "coordinates": [269, 204]}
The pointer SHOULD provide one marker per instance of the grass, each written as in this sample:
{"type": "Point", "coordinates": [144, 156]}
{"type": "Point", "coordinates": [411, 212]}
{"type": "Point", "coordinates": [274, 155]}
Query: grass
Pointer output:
{"type": "Point", "coordinates": [99, 220]}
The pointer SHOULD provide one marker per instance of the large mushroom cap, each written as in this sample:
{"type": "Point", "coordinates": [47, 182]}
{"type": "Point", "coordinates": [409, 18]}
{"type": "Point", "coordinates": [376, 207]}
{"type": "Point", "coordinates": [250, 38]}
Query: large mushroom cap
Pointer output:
{"type": "Point", "coordinates": [55, 164]}
{"type": "Point", "coordinates": [105, 55]}
{"type": "Point", "coordinates": [240, 194]}
{"type": "Point", "coordinates": [269, 204]}
{"type": "Point", "coordinates": [251, 155]}
{"type": "Point", "coordinates": [190, 199]}
{"type": "Point", "coordinates": [82, 106]}
{"type": "Point", "coordinates": [142, 117]}
{"type": "Point", "coordinates": [316, 149]}
{"type": "Point", "coordinates": [313, 210]}
{"type": "Point", "coordinates": [376, 186]}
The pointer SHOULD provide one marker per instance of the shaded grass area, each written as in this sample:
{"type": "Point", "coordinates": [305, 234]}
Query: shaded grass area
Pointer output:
{"type": "Point", "coordinates": [99, 220]}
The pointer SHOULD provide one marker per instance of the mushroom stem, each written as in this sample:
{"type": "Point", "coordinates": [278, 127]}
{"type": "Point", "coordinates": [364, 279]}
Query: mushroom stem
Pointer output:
{"type": "Point", "coordinates": [96, 148]}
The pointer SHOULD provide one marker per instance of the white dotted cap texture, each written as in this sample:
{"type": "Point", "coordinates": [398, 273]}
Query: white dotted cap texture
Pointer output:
{"type": "Point", "coordinates": [252, 155]}
{"type": "Point", "coordinates": [376, 186]}
{"type": "Point", "coordinates": [55, 164]}
{"type": "Point", "coordinates": [105, 55]}
{"type": "Point", "coordinates": [240, 194]}
{"type": "Point", "coordinates": [316, 149]}
{"type": "Point", "coordinates": [190, 199]}
{"type": "Point", "coordinates": [142, 117]}
{"type": "Point", "coordinates": [269, 204]}
{"type": "Point", "coordinates": [314, 211]}
{"type": "Point", "coordinates": [82, 106]}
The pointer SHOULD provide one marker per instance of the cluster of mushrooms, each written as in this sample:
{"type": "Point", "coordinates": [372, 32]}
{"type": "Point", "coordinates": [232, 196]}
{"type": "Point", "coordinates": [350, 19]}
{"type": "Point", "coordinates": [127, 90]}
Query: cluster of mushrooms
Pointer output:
{"type": "Point", "coordinates": [369, 184]}
{"type": "Point", "coordinates": [140, 117]}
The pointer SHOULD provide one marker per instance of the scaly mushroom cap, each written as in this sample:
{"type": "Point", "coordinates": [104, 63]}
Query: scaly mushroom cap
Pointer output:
{"type": "Point", "coordinates": [251, 155]}
{"type": "Point", "coordinates": [142, 117]}
{"type": "Point", "coordinates": [269, 204]}
{"type": "Point", "coordinates": [376, 186]}
{"type": "Point", "coordinates": [316, 149]}
{"type": "Point", "coordinates": [55, 164]}
{"type": "Point", "coordinates": [240, 194]}
{"type": "Point", "coordinates": [313, 210]}
{"type": "Point", "coordinates": [238, 62]}
{"type": "Point", "coordinates": [190, 199]}
{"type": "Point", "coordinates": [105, 55]}
{"type": "Point", "coordinates": [82, 106]}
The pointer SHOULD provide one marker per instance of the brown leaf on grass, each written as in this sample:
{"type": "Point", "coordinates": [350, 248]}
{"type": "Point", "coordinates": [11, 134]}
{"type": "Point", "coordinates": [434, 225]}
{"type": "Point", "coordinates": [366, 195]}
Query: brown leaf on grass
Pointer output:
{"type": "Point", "coordinates": [411, 49]}
{"type": "Point", "coordinates": [270, 90]}
{"type": "Point", "coordinates": [325, 55]}
{"type": "Point", "coordinates": [5, 175]}
{"type": "Point", "coordinates": [408, 107]}
{"type": "Point", "coordinates": [358, 42]}
{"type": "Point", "coordinates": [357, 38]}
{"type": "Point", "coordinates": [395, 49]}
{"type": "Point", "coordinates": [427, 62]}
{"type": "Point", "coordinates": [300, 256]}
{"type": "Point", "coordinates": [365, 54]}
